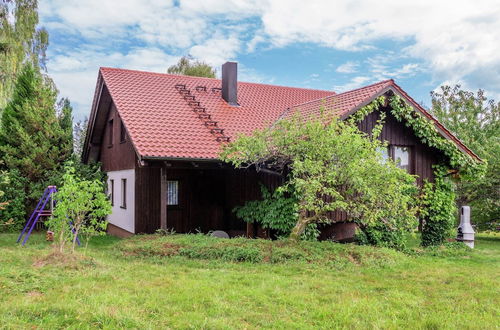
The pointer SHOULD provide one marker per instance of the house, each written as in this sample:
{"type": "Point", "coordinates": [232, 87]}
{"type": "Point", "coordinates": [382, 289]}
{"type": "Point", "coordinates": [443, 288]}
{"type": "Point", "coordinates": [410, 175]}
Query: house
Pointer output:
{"type": "Point", "coordinates": [158, 137]}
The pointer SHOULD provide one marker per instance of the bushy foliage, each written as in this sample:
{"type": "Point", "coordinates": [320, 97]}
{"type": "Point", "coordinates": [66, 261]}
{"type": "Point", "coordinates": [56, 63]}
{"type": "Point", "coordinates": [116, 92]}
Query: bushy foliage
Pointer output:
{"type": "Point", "coordinates": [35, 138]}
{"type": "Point", "coordinates": [438, 211]}
{"type": "Point", "coordinates": [331, 165]}
{"type": "Point", "coordinates": [277, 211]}
{"type": "Point", "coordinates": [476, 121]}
{"type": "Point", "coordinates": [81, 206]}
{"type": "Point", "coordinates": [190, 67]}
{"type": "Point", "coordinates": [13, 213]}
{"type": "Point", "coordinates": [21, 41]}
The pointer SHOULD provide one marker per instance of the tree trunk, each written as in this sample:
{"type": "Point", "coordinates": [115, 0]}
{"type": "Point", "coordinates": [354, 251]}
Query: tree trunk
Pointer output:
{"type": "Point", "coordinates": [75, 237]}
{"type": "Point", "coordinates": [300, 226]}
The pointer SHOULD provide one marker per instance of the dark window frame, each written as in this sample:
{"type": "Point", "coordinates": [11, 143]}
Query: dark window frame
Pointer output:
{"type": "Point", "coordinates": [111, 132]}
{"type": "Point", "coordinates": [123, 133]}
{"type": "Point", "coordinates": [112, 192]}
{"type": "Point", "coordinates": [177, 195]}
{"type": "Point", "coordinates": [123, 194]}
{"type": "Point", "coordinates": [392, 155]}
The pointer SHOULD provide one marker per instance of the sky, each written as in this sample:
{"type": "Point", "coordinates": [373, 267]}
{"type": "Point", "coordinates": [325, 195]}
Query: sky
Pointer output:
{"type": "Point", "coordinates": [323, 44]}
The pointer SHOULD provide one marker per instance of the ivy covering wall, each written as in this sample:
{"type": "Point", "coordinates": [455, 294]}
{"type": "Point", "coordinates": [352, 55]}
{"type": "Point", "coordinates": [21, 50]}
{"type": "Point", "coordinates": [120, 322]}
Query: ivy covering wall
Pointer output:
{"type": "Point", "coordinates": [438, 208]}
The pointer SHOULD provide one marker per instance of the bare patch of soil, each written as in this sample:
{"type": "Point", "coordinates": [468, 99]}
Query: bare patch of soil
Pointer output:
{"type": "Point", "coordinates": [63, 260]}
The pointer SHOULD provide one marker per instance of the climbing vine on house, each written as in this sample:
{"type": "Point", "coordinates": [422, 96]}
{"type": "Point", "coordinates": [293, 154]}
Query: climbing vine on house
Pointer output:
{"type": "Point", "coordinates": [438, 207]}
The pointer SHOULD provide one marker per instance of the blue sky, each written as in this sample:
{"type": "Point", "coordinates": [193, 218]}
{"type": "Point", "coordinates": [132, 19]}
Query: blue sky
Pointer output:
{"type": "Point", "coordinates": [333, 45]}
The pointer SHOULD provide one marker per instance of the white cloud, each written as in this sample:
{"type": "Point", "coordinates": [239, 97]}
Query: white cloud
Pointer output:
{"type": "Point", "coordinates": [216, 51]}
{"type": "Point", "coordinates": [348, 67]}
{"type": "Point", "coordinates": [354, 83]}
{"type": "Point", "coordinates": [76, 72]}
{"type": "Point", "coordinates": [454, 40]}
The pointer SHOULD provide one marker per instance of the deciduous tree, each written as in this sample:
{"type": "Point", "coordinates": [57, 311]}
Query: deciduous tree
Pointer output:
{"type": "Point", "coordinates": [332, 165]}
{"type": "Point", "coordinates": [190, 67]}
{"type": "Point", "coordinates": [476, 121]}
{"type": "Point", "coordinates": [21, 42]}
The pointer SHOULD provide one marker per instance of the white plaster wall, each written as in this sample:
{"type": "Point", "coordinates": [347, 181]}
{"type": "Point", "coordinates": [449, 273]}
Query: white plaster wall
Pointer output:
{"type": "Point", "coordinates": [120, 217]}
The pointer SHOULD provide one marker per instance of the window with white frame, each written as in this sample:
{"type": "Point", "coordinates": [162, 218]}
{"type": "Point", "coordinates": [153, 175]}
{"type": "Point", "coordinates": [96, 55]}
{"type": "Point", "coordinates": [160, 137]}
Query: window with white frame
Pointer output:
{"type": "Point", "coordinates": [172, 192]}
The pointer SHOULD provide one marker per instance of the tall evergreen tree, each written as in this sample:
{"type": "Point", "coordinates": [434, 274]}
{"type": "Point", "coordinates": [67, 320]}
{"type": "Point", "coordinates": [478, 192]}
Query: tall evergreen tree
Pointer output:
{"type": "Point", "coordinates": [21, 41]}
{"type": "Point", "coordinates": [190, 67]}
{"type": "Point", "coordinates": [65, 115]}
{"type": "Point", "coordinates": [80, 131]}
{"type": "Point", "coordinates": [32, 139]}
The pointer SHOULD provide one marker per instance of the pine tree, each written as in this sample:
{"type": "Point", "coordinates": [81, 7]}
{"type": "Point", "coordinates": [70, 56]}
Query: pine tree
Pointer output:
{"type": "Point", "coordinates": [65, 115]}
{"type": "Point", "coordinates": [32, 139]}
{"type": "Point", "coordinates": [80, 131]}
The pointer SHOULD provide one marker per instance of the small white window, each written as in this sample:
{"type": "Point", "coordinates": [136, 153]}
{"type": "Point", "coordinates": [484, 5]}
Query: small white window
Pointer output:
{"type": "Point", "coordinates": [172, 192]}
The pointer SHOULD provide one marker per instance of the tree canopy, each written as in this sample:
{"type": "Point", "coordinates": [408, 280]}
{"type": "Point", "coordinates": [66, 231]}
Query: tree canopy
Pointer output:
{"type": "Point", "coordinates": [190, 67]}
{"type": "Point", "coordinates": [21, 41]}
{"type": "Point", "coordinates": [330, 167]}
{"type": "Point", "coordinates": [475, 120]}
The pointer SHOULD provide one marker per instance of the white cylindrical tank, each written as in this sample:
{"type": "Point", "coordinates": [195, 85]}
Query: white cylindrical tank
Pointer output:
{"type": "Point", "coordinates": [465, 232]}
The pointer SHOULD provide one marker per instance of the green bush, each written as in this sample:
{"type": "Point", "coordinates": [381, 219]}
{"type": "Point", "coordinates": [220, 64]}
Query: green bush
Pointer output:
{"type": "Point", "coordinates": [13, 214]}
{"type": "Point", "coordinates": [277, 211]}
{"type": "Point", "coordinates": [439, 210]}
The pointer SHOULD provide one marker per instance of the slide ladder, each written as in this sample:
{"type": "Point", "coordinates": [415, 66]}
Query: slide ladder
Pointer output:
{"type": "Point", "coordinates": [47, 199]}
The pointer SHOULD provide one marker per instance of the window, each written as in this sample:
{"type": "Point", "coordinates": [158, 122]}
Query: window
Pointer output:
{"type": "Point", "coordinates": [112, 191]}
{"type": "Point", "coordinates": [172, 192]}
{"type": "Point", "coordinates": [110, 138]}
{"type": "Point", "coordinates": [401, 156]}
{"type": "Point", "coordinates": [123, 134]}
{"type": "Point", "coordinates": [124, 194]}
{"type": "Point", "coordinates": [384, 151]}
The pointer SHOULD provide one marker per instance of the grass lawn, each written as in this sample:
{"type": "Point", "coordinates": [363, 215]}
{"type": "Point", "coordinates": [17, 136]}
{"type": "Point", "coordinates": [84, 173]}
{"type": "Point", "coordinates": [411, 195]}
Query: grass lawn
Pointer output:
{"type": "Point", "coordinates": [162, 282]}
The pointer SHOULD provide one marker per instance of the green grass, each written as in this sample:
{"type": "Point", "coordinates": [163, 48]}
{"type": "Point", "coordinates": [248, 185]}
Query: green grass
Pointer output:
{"type": "Point", "coordinates": [194, 282]}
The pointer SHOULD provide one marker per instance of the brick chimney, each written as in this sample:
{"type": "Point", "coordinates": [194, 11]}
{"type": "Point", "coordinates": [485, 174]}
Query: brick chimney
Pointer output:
{"type": "Point", "coordinates": [230, 83]}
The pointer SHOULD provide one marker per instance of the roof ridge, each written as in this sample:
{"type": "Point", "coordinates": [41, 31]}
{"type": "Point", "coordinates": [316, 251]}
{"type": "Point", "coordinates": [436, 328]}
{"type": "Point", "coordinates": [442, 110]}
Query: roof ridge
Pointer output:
{"type": "Point", "coordinates": [339, 94]}
{"type": "Point", "coordinates": [216, 79]}
{"type": "Point", "coordinates": [367, 86]}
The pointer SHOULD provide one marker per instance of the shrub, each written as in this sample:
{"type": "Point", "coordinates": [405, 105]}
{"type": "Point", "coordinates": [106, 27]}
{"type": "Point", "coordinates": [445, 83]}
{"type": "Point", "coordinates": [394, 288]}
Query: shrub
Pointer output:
{"type": "Point", "coordinates": [277, 211]}
{"type": "Point", "coordinates": [13, 213]}
{"type": "Point", "coordinates": [331, 166]}
{"type": "Point", "coordinates": [438, 211]}
{"type": "Point", "coordinates": [80, 209]}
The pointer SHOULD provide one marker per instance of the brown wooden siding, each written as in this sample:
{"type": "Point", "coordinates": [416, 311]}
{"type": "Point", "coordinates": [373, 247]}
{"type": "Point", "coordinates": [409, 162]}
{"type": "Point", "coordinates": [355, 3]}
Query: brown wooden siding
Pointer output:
{"type": "Point", "coordinates": [207, 198]}
{"type": "Point", "coordinates": [397, 133]}
{"type": "Point", "coordinates": [120, 155]}
{"type": "Point", "coordinates": [147, 199]}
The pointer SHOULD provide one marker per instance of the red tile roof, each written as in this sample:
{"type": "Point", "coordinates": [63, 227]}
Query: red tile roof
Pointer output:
{"type": "Point", "coordinates": [339, 104]}
{"type": "Point", "coordinates": [344, 104]}
{"type": "Point", "coordinates": [161, 123]}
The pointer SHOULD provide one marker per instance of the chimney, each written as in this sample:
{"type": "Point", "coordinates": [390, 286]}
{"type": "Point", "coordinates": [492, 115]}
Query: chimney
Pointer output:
{"type": "Point", "coordinates": [230, 83]}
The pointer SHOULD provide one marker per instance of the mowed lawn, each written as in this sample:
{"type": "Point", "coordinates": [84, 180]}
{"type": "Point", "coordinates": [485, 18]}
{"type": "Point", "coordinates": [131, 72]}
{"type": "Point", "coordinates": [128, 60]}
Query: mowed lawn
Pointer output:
{"type": "Point", "coordinates": [119, 289]}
